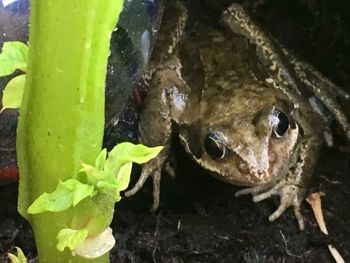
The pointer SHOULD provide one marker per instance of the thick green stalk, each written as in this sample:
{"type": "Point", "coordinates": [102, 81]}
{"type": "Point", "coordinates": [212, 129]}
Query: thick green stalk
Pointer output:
{"type": "Point", "coordinates": [62, 113]}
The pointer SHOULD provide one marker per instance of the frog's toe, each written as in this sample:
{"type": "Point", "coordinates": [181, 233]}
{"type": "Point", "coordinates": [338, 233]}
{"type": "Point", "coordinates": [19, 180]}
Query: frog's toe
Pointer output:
{"type": "Point", "coordinates": [289, 198]}
{"type": "Point", "coordinates": [262, 196]}
{"type": "Point", "coordinates": [297, 213]}
{"type": "Point", "coordinates": [147, 171]}
{"type": "Point", "coordinates": [156, 189]}
{"type": "Point", "coordinates": [136, 187]}
{"type": "Point", "coordinates": [299, 217]}
{"type": "Point", "coordinates": [253, 190]}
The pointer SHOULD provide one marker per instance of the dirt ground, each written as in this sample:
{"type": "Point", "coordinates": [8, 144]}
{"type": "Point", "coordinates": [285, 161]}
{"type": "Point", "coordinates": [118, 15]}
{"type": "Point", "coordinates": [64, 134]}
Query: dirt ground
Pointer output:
{"type": "Point", "coordinates": [199, 219]}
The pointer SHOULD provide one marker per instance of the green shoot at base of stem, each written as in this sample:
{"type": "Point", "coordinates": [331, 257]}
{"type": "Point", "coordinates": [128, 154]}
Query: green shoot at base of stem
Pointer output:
{"type": "Point", "coordinates": [108, 177]}
{"type": "Point", "coordinates": [19, 258]}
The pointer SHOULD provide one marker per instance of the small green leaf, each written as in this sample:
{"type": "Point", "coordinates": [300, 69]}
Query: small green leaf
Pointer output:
{"type": "Point", "coordinates": [87, 168]}
{"type": "Point", "coordinates": [80, 191]}
{"type": "Point", "coordinates": [14, 56]}
{"type": "Point", "coordinates": [107, 183]}
{"type": "Point", "coordinates": [129, 152]}
{"type": "Point", "coordinates": [13, 92]}
{"type": "Point", "coordinates": [117, 182]}
{"type": "Point", "coordinates": [123, 176]}
{"type": "Point", "coordinates": [55, 202]}
{"type": "Point", "coordinates": [118, 166]}
{"type": "Point", "coordinates": [70, 238]}
{"type": "Point", "coordinates": [112, 175]}
{"type": "Point", "coordinates": [20, 258]}
{"type": "Point", "coordinates": [100, 160]}
{"type": "Point", "coordinates": [88, 174]}
{"type": "Point", "coordinates": [67, 194]}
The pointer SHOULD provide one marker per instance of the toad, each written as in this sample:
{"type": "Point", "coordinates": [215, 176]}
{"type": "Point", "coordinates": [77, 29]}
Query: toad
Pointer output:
{"type": "Point", "coordinates": [243, 106]}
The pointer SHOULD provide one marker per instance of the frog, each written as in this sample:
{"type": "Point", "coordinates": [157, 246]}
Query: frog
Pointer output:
{"type": "Point", "coordinates": [243, 106]}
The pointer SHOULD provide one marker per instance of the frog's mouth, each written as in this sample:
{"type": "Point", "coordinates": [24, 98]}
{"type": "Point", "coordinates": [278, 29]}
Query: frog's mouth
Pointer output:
{"type": "Point", "coordinates": [237, 171]}
{"type": "Point", "coordinates": [253, 165]}
{"type": "Point", "coordinates": [250, 176]}
{"type": "Point", "coordinates": [275, 166]}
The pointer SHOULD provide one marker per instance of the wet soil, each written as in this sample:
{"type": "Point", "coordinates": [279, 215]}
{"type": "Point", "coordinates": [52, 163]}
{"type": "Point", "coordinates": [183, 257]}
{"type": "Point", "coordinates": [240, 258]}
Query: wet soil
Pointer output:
{"type": "Point", "coordinates": [199, 219]}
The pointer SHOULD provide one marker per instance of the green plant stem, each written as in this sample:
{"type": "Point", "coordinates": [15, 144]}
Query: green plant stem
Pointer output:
{"type": "Point", "coordinates": [62, 113]}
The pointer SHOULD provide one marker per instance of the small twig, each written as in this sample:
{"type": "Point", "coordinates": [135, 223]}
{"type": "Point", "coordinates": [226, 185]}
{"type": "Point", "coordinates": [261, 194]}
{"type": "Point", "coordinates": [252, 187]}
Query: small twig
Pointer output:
{"type": "Point", "coordinates": [159, 219]}
{"type": "Point", "coordinates": [329, 181]}
{"type": "Point", "coordinates": [154, 253]}
{"type": "Point", "coordinates": [286, 246]}
{"type": "Point", "coordinates": [7, 149]}
{"type": "Point", "coordinates": [314, 200]}
{"type": "Point", "coordinates": [178, 224]}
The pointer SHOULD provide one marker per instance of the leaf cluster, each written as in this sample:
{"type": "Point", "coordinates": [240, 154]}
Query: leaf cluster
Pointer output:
{"type": "Point", "coordinates": [109, 175]}
{"type": "Point", "coordinates": [13, 57]}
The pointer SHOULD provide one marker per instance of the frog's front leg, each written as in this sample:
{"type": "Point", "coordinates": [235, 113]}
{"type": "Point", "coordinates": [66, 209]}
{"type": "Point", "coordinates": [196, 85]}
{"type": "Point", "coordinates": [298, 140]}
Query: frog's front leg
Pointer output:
{"type": "Point", "coordinates": [151, 169]}
{"type": "Point", "coordinates": [155, 127]}
{"type": "Point", "coordinates": [292, 187]}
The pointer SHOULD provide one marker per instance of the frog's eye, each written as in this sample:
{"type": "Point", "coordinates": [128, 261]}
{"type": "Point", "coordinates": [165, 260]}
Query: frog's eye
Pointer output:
{"type": "Point", "coordinates": [214, 146]}
{"type": "Point", "coordinates": [279, 122]}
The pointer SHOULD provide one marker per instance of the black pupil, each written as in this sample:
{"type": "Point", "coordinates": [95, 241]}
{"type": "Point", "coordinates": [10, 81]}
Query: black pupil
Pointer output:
{"type": "Point", "coordinates": [213, 147]}
{"type": "Point", "coordinates": [283, 124]}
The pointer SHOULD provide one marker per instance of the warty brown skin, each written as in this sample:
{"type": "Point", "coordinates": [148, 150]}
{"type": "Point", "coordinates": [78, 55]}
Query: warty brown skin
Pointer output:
{"type": "Point", "coordinates": [233, 87]}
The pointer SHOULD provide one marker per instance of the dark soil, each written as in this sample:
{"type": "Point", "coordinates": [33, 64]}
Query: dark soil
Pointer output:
{"type": "Point", "coordinates": [199, 219]}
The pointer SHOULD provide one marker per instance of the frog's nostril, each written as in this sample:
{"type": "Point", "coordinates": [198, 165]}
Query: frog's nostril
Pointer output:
{"type": "Point", "coordinates": [260, 174]}
{"type": "Point", "coordinates": [272, 157]}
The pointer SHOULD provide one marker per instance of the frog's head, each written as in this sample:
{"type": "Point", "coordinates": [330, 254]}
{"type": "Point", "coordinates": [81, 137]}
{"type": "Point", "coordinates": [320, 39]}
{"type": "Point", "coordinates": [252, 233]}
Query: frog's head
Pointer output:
{"type": "Point", "coordinates": [247, 140]}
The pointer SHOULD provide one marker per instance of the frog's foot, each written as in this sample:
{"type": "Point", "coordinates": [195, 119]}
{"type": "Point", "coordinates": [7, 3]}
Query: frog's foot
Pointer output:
{"type": "Point", "coordinates": [149, 170]}
{"type": "Point", "coordinates": [291, 196]}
